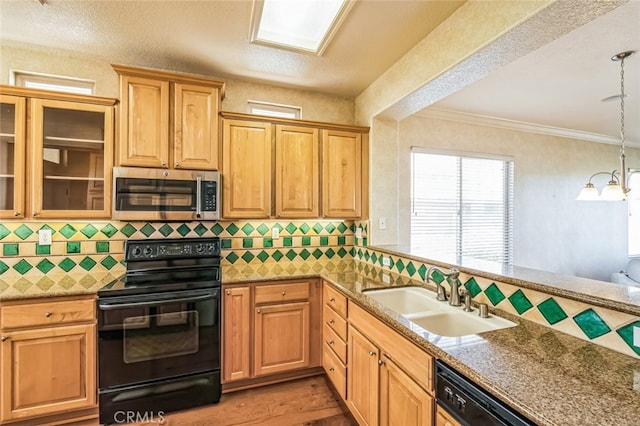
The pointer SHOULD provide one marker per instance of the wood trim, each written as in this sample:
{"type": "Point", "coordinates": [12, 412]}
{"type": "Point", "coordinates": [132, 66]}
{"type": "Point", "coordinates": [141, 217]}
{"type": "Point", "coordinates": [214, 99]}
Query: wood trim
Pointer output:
{"type": "Point", "coordinates": [293, 122]}
{"type": "Point", "coordinates": [268, 380]}
{"type": "Point", "coordinates": [170, 76]}
{"type": "Point", "coordinates": [56, 96]}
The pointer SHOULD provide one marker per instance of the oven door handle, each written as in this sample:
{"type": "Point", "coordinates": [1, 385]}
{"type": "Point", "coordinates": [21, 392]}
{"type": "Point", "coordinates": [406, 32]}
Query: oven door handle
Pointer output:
{"type": "Point", "coordinates": [198, 196]}
{"type": "Point", "coordinates": [112, 306]}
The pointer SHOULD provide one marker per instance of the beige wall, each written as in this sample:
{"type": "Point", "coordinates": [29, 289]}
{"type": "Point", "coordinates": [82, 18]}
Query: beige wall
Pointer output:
{"type": "Point", "coordinates": [553, 231]}
{"type": "Point", "coordinates": [315, 106]}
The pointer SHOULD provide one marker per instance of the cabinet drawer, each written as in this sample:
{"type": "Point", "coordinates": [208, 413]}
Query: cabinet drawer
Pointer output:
{"type": "Point", "coordinates": [335, 321]}
{"type": "Point", "coordinates": [336, 371]}
{"type": "Point", "coordinates": [335, 299]}
{"type": "Point", "coordinates": [334, 341]}
{"type": "Point", "coordinates": [47, 313]}
{"type": "Point", "coordinates": [281, 292]}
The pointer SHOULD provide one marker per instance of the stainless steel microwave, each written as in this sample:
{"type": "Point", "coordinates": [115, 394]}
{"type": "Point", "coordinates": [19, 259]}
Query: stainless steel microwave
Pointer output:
{"type": "Point", "coordinates": [159, 194]}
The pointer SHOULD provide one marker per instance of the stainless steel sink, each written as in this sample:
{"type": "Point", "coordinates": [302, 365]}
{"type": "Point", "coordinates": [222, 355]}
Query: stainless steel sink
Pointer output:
{"type": "Point", "coordinates": [420, 306]}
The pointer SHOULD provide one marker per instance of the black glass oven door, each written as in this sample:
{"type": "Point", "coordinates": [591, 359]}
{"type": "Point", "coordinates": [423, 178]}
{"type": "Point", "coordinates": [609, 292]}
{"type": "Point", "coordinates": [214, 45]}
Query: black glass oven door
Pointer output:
{"type": "Point", "coordinates": [155, 336]}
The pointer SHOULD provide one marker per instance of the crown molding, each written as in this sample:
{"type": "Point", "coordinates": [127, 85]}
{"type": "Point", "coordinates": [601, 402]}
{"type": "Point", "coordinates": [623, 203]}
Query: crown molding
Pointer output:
{"type": "Point", "coordinates": [483, 120]}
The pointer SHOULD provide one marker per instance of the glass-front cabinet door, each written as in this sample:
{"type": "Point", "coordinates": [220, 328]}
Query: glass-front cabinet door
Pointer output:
{"type": "Point", "coordinates": [12, 151]}
{"type": "Point", "coordinates": [72, 158]}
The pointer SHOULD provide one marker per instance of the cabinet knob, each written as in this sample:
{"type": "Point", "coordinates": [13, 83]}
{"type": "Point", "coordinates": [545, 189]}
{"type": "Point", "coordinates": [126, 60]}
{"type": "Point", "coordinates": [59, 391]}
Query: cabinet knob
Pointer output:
{"type": "Point", "coordinates": [331, 369]}
{"type": "Point", "coordinates": [35, 214]}
{"type": "Point", "coordinates": [163, 164]}
{"type": "Point", "coordinates": [332, 322]}
{"type": "Point", "coordinates": [259, 311]}
{"type": "Point", "coordinates": [228, 292]}
{"type": "Point", "coordinates": [283, 293]}
{"type": "Point", "coordinates": [380, 362]}
{"type": "Point", "coordinates": [332, 299]}
{"type": "Point", "coordinates": [16, 214]}
{"type": "Point", "coordinates": [47, 314]}
{"type": "Point", "coordinates": [331, 342]}
{"type": "Point", "coordinates": [372, 353]}
{"type": "Point", "coordinates": [177, 164]}
{"type": "Point", "coordinates": [3, 338]}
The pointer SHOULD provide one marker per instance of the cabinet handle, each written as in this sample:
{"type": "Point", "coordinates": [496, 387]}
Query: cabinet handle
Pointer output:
{"type": "Point", "coordinates": [332, 322]}
{"type": "Point", "coordinates": [3, 338]}
{"type": "Point", "coordinates": [372, 353]}
{"type": "Point", "coordinates": [16, 214]}
{"type": "Point", "coordinates": [47, 314]}
{"type": "Point", "coordinates": [35, 214]}
{"type": "Point", "coordinates": [163, 164]}
{"type": "Point", "coordinates": [331, 369]}
{"type": "Point", "coordinates": [332, 299]}
{"type": "Point", "coordinates": [177, 164]}
{"type": "Point", "coordinates": [331, 342]}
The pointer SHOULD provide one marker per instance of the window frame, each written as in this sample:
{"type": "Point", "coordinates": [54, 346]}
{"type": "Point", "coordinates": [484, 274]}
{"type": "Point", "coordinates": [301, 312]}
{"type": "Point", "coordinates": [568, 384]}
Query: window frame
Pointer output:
{"type": "Point", "coordinates": [57, 83]}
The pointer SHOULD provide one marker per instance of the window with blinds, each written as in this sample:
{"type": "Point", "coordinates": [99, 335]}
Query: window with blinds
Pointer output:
{"type": "Point", "coordinates": [462, 206]}
{"type": "Point", "coordinates": [634, 214]}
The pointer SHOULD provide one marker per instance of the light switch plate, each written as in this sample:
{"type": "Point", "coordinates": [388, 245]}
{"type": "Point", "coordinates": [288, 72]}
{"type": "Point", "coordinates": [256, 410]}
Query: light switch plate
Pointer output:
{"type": "Point", "coordinates": [636, 337]}
{"type": "Point", "coordinates": [358, 232]}
{"type": "Point", "coordinates": [275, 233]}
{"type": "Point", "coordinates": [386, 261]}
{"type": "Point", "coordinates": [382, 223]}
{"type": "Point", "coordinates": [44, 237]}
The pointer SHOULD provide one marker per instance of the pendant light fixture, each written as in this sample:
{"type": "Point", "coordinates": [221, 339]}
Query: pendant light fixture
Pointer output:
{"type": "Point", "coordinates": [616, 189]}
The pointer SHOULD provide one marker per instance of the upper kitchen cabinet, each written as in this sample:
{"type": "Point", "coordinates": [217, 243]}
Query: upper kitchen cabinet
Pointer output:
{"type": "Point", "coordinates": [67, 154]}
{"type": "Point", "coordinates": [168, 120]}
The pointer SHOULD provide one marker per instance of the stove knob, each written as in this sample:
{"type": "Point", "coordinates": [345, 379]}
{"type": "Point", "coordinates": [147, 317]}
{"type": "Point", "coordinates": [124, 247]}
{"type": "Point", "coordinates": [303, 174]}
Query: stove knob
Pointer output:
{"type": "Point", "coordinates": [147, 251]}
{"type": "Point", "coordinates": [136, 251]}
{"type": "Point", "coordinates": [199, 248]}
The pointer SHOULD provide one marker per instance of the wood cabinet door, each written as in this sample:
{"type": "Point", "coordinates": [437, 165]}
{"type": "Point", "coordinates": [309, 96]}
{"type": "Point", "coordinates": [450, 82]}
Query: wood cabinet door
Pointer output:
{"type": "Point", "coordinates": [236, 334]}
{"type": "Point", "coordinates": [282, 337]}
{"type": "Point", "coordinates": [362, 378]}
{"type": "Point", "coordinates": [444, 419]}
{"type": "Point", "coordinates": [144, 122]}
{"type": "Point", "coordinates": [13, 121]}
{"type": "Point", "coordinates": [341, 174]}
{"type": "Point", "coordinates": [46, 371]}
{"type": "Point", "coordinates": [246, 168]}
{"type": "Point", "coordinates": [297, 174]}
{"type": "Point", "coordinates": [71, 156]}
{"type": "Point", "coordinates": [402, 401]}
{"type": "Point", "coordinates": [195, 142]}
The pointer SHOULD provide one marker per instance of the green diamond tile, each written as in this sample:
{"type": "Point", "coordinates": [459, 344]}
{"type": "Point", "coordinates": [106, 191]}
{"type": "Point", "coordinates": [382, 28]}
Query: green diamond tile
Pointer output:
{"type": "Point", "coordinates": [102, 247]}
{"type": "Point", "coordinates": [287, 241]}
{"type": "Point", "coordinates": [591, 324]}
{"type": "Point", "coordinates": [247, 242]}
{"type": "Point", "coordinates": [247, 229]}
{"type": "Point", "coordinates": [4, 231]}
{"type": "Point", "coordinates": [217, 229]}
{"type": "Point", "coordinates": [494, 294]}
{"type": "Point", "coordinates": [306, 241]}
{"type": "Point", "coordinates": [520, 302]}
{"type": "Point", "coordinates": [472, 287]}
{"type": "Point", "coordinates": [342, 252]}
{"type": "Point", "coordinates": [352, 251]}
{"type": "Point", "coordinates": [128, 230]}
{"type": "Point", "coordinates": [166, 230]}
{"type": "Point", "coordinates": [73, 247]}
{"type": "Point", "coordinates": [551, 311]}
{"type": "Point", "coordinates": [232, 229]}
{"type": "Point", "coordinates": [291, 228]}
{"type": "Point", "coordinates": [10, 249]}
{"type": "Point", "coordinates": [342, 240]}
{"type": "Point", "coordinates": [329, 253]}
{"type": "Point", "coordinates": [108, 262]}
{"type": "Point", "coordinates": [45, 226]}
{"type": "Point", "coordinates": [67, 264]}
{"type": "Point", "coordinates": [400, 265]}
{"type": "Point", "coordinates": [330, 227]}
{"type": "Point", "coordinates": [342, 227]}
{"type": "Point", "coordinates": [291, 254]}
{"type": "Point", "coordinates": [352, 227]}
{"type": "Point", "coordinates": [411, 269]}
{"type": "Point", "coordinates": [366, 255]}
{"type": "Point", "coordinates": [41, 250]}
{"type": "Point", "coordinates": [625, 333]}
{"type": "Point", "coordinates": [88, 231]}
{"type": "Point", "coordinates": [109, 230]}
{"type": "Point", "coordinates": [262, 229]}
{"type": "Point", "coordinates": [317, 228]}
{"type": "Point", "coordinates": [22, 266]}
{"type": "Point", "coordinates": [305, 254]}
{"type": "Point", "coordinates": [87, 263]}
{"type": "Point", "coordinates": [422, 271]}
{"type": "Point", "coordinates": [183, 230]}
{"type": "Point", "coordinates": [23, 232]}
{"type": "Point", "coordinates": [147, 230]}
{"type": "Point", "coordinates": [200, 229]}
{"type": "Point", "coordinates": [69, 231]}
{"type": "Point", "coordinates": [304, 228]}
{"type": "Point", "coordinates": [317, 253]}
{"type": "Point", "coordinates": [360, 254]}
{"type": "Point", "coordinates": [247, 256]}
{"type": "Point", "coordinates": [435, 275]}
{"type": "Point", "coordinates": [225, 243]}
{"type": "Point", "coordinates": [324, 241]}
{"type": "Point", "coordinates": [45, 266]}
{"type": "Point", "coordinates": [232, 257]}
{"type": "Point", "coordinates": [374, 257]}
{"type": "Point", "coordinates": [277, 255]}
{"type": "Point", "coordinates": [263, 256]}
{"type": "Point", "coordinates": [267, 242]}
{"type": "Point", "coordinates": [3, 267]}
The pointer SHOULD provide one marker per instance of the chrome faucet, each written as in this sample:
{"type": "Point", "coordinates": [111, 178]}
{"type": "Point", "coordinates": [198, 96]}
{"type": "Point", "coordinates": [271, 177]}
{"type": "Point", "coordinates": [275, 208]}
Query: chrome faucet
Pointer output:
{"type": "Point", "coordinates": [454, 283]}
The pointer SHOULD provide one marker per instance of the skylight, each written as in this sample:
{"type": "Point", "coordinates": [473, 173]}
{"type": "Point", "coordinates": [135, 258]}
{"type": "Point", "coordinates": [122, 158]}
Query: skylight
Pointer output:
{"type": "Point", "coordinates": [306, 25]}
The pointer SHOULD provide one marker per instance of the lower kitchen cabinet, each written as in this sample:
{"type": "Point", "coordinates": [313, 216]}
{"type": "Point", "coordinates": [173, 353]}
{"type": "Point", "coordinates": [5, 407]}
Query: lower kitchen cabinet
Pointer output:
{"type": "Point", "coordinates": [444, 419]}
{"type": "Point", "coordinates": [270, 330]}
{"type": "Point", "coordinates": [363, 378]}
{"type": "Point", "coordinates": [48, 361]}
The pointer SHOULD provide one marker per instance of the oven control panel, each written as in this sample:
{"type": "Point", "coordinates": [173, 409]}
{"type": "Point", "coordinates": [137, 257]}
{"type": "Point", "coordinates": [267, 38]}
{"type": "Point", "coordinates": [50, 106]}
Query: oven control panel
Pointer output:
{"type": "Point", "coordinates": [166, 249]}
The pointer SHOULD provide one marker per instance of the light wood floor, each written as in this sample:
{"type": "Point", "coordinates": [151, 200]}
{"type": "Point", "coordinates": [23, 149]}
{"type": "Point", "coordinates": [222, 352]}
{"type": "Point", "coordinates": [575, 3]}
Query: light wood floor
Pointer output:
{"type": "Point", "coordinates": [307, 401]}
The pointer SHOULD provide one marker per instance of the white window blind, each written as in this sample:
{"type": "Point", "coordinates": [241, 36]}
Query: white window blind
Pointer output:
{"type": "Point", "coordinates": [634, 214]}
{"type": "Point", "coordinates": [462, 206]}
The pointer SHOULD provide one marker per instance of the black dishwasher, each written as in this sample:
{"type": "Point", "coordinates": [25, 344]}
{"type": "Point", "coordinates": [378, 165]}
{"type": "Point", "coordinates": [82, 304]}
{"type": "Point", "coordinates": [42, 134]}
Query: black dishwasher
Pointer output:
{"type": "Point", "coordinates": [469, 404]}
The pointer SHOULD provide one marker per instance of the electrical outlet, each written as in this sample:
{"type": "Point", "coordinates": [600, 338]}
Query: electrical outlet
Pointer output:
{"type": "Point", "coordinates": [636, 337]}
{"type": "Point", "coordinates": [44, 237]}
{"type": "Point", "coordinates": [358, 232]}
{"type": "Point", "coordinates": [275, 232]}
{"type": "Point", "coordinates": [386, 261]}
{"type": "Point", "coordinates": [382, 223]}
